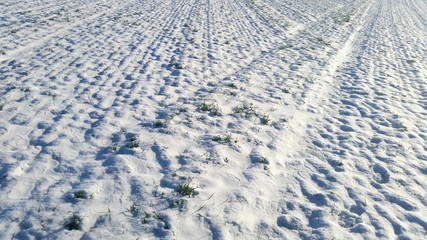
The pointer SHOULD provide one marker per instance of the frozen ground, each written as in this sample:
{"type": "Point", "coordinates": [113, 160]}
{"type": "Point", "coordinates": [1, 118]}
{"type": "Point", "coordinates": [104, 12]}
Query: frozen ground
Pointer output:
{"type": "Point", "coordinates": [213, 119]}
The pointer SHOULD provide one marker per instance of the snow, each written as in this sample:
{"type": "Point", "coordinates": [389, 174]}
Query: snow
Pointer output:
{"type": "Point", "coordinates": [213, 119]}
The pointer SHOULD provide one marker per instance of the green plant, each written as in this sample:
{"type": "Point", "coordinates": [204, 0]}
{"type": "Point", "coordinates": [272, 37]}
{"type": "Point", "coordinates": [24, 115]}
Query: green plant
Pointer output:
{"type": "Point", "coordinates": [80, 194]}
{"type": "Point", "coordinates": [209, 107]}
{"type": "Point", "coordinates": [247, 109]}
{"type": "Point", "coordinates": [206, 107]}
{"type": "Point", "coordinates": [227, 139]}
{"type": "Point", "coordinates": [177, 203]}
{"type": "Point", "coordinates": [115, 147]}
{"type": "Point", "coordinates": [342, 18]}
{"type": "Point", "coordinates": [159, 124]}
{"type": "Point", "coordinates": [144, 219]}
{"type": "Point", "coordinates": [202, 207]}
{"type": "Point", "coordinates": [232, 85]}
{"type": "Point", "coordinates": [263, 160]}
{"type": "Point", "coordinates": [156, 188]}
{"type": "Point", "coordinates": [216, 139]}
{"type": "Point", "coordinates": [323, 41]}
{"type": "Point", "coordinates": [133, 207]}
{"type": "Point", "coordinates": [158, 216]}
{"type": "Point", "coordinates": [215, 112]}
{"type": "Point", "coordinates": [265, 119]}
{"type": "Point", "coordinates": [161, 218]}
{"type": "Point", "coordinates": [346, 18]}
{"type": "Point", "coordinates": [43, 223]}
{"type": "Point", "coordinates": [25, 89]}
{"type": "Point", "coordinates": [74, 223]}
{"type": "Point", "coordinates": [133, 142]}
{"type": "Point", "coordinates": [285, 119]}
{"type": "Point", "coordinates": [134, 210]}
{"type": "Point", "coordinates": [176, 65]}
{"type": "Point", "coordinates": [187, 190]}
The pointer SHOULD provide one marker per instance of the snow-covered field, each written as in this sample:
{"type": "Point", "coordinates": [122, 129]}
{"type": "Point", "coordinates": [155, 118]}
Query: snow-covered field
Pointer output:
{"type": "Point", "coordinates": [213, 119]}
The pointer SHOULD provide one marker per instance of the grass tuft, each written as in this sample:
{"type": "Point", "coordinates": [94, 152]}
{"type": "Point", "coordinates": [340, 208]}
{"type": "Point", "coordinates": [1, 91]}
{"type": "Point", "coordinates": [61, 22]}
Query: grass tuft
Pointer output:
{"type": "Point", "coordinates": [265, 119]}
{"type": "Point", "coordinates": [115, 147]}
{"type": "Point", "coordinates": [74, 223]}
{"type": "Point", "coordinates": [226, 139]}
{"type": "Point", "coordinates": [187, 190]}
{"type": "Point", "coordinates": [134, 210]}
{"type": "Point", "coordinates": [176, 65]}
{"type": "Point", "coordinates": [159, 124]}
{"type": "Point", "coordinates": [217, 138]}
{"type": "Point", "coordinates": [248, 110]}
{"type": "Point", "coordinates": [263, 160]}
{"type": "Point", "coordinates": [286, 90]}
{"type": "Point", "coordinates": [212, 108]}
{"type": "Point", "coordinates": [133, 142]}
{"type": "Point", "coordinates": [232, 85]}
{"type": "Point", "coordinates": [80, 194]}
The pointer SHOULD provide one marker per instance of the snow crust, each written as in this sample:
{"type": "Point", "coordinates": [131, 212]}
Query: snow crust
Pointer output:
{"type": "Point", "coordinates": [213, 119]}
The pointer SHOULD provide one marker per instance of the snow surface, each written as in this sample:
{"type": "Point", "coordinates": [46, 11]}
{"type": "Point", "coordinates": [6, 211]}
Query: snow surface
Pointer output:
{"type": "Point", "coordinates": [213, 119]}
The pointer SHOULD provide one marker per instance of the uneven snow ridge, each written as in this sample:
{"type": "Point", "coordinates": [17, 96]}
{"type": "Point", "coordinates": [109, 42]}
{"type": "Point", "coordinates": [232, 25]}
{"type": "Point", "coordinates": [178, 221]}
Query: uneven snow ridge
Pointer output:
{"type": "Point", "coordinates": [213, 119]}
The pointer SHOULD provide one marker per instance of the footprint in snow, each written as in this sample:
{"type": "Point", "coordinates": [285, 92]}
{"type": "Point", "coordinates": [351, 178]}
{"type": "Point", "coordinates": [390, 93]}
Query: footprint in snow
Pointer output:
{"type": "Point", "coordinates": [359, 208]}
{"type": "Point", "coordinates": [346, 219]}
{"type": "Point", "coordinates": [381, 175]}
{"type": "Point", "coordinates": [20, 119]}
{"type": "Point", "coordinates": [290, 222]}
{"type": "Point", "coordinates": [3, 130]}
